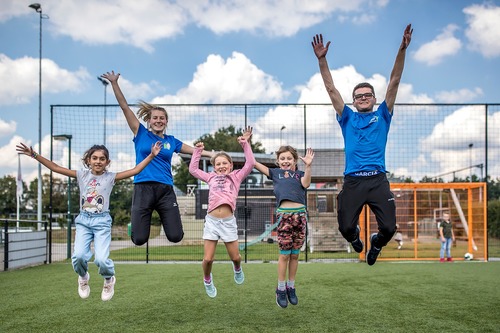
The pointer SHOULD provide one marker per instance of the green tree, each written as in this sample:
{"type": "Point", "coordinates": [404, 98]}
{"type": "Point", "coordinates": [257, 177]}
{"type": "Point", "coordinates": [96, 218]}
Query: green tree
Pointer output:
{"type": "Point", "coordinates": [494, 218]}
{"type": "Point", "coordinates": [224, 139]}
{"type": "Point", "coordinates": [120, 201]}
{"type": "Point", "coordinates": [494, 189]}
{"type": "Point", "coordinates": [8, 190]}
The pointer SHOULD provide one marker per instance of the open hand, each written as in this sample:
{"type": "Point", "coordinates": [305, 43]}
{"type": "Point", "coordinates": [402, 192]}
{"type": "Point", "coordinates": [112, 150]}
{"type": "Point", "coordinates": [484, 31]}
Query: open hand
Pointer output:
{"type": "Point", "coordinates": [320, 50]}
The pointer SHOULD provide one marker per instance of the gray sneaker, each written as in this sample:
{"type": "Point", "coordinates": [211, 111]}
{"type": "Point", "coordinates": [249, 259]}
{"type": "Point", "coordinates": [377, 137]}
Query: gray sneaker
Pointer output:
{"type": "Point", "coordinates": [210, 288]}
{"type": "Point", "coordinates": [83, 286]}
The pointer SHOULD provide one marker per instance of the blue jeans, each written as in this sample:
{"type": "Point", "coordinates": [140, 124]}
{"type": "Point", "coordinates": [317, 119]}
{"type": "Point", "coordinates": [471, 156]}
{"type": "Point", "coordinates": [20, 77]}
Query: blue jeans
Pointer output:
{"type": "Point", "coordinates": [93, 227]}
{"type": "Point", "coordinates": [446, 245]}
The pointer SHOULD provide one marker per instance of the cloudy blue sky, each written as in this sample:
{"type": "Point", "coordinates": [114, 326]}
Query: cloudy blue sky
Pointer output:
{"type": "Point", "coordinates": [167, 52]}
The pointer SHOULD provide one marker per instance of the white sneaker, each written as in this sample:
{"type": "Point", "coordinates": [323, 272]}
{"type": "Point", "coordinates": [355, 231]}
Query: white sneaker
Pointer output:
{"type": "Point", "coordinates": [83, 286]}
{"type": "Point", "coordinates": [108, 290]}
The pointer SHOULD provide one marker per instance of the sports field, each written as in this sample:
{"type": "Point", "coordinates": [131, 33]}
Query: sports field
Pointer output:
{"type": "Point", "coordinates": [333, 297]}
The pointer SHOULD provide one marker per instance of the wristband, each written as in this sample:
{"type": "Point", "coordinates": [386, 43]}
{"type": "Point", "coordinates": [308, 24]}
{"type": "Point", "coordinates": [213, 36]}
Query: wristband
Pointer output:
{"type": "Point", "coordinates": [34, 155]}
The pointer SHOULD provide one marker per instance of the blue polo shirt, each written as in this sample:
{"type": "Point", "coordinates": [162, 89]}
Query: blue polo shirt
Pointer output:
{"type": "Point", "coordinates": [365, 139]}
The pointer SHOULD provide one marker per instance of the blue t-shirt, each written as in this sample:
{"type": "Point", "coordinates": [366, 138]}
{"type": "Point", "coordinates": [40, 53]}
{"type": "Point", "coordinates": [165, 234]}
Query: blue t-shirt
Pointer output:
{"type": "Point", "coordinates": [287, 185]}
{"type": "Point", "coordinates": [160, 168]}
{"type": "Point", "coordinates": [365, 138]}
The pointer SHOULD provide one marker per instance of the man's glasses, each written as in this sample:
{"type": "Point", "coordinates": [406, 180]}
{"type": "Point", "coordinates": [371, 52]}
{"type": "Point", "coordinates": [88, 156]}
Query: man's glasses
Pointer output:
{"type": "Point", "coordinates": [360, 96]}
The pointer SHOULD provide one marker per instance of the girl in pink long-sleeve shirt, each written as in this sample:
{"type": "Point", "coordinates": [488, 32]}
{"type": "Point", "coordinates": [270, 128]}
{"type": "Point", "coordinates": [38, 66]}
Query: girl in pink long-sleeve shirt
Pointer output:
{"type": "Point", "coordinates": [220, 222]}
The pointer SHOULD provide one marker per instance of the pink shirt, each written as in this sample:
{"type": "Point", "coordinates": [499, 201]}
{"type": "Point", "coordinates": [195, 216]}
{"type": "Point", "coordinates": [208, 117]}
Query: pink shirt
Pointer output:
{"type": "Point", "coordinates": [223, 189]}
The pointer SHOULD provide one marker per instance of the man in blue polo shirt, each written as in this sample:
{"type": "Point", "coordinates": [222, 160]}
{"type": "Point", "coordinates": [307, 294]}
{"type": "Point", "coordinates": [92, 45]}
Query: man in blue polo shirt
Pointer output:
{"type": "Point", "coordinates": [365, 138]}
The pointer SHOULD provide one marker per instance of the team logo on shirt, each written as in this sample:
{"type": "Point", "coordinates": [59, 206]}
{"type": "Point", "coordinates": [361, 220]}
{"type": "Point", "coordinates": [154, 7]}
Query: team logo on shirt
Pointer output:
{"type": "Point", "coordinates": [166, 145]}
{"type": "Point", "coordinates": [374, 119]}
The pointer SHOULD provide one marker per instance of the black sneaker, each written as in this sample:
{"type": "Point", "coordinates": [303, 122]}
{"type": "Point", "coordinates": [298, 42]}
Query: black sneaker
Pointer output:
{"type": "Point", "coordinates": [281, 298]}
{"type": "Point", "coordinates": [292, 297]}
{"type": "Point", "coordinates": [372, 255]}
{"type": "Point", "coordinates": [357, 245]}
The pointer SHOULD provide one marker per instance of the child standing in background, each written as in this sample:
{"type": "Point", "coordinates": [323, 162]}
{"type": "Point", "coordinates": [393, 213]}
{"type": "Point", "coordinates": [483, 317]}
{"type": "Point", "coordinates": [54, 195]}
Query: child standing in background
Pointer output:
{"type": "Point", "coordinates": [447, 237]}
{"type": "Point", "coordinates": [290, 187]}
{"type": "Point", "coordinates": [94, 222]}
{"type": "Point", "coordinates": [220, 222]}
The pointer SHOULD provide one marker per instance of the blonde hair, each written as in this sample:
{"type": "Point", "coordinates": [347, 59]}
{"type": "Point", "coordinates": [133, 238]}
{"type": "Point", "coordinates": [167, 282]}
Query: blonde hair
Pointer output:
{"type": "Point", "coordinates": [145, 110]}
{"type": "Point", "coordinates": [219, 154]}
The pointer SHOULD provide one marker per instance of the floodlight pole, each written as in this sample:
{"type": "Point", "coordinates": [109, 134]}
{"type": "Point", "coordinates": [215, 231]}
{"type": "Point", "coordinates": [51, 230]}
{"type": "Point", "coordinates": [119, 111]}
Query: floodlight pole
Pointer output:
{"type": "Point", "coordinates": [38, 8]}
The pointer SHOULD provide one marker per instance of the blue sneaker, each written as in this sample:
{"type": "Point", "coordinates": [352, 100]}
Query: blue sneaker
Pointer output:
{"type": "Point", "coordinates": [357, 244]}
{"type": "Point", "coordinates": [281, 298]}
{"type": "Point", "coordinates": [239, 277]}
{"type": "Point", "coordinates": [292, 297]}
{"type": "Point", "coordinates": [210, 288]}
{"type": "Point", "coordinates": [372, 255]}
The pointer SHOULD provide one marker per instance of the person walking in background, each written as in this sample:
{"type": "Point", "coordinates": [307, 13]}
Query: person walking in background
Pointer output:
{"type": "Point", "coordinates": [365, 138]}
{"type": "Point", "coordinates": [398, 237]}
{"type": "Point", "coordinates": [290, 187]}
{"type": "Point", "coordinates": [220, 222]}
{"type": "Point", "coordinates": [153, 187]}
{"type": "Point", "coordinates": [94, 222]}
{"type": "Point", "coordinates": [447, 237]}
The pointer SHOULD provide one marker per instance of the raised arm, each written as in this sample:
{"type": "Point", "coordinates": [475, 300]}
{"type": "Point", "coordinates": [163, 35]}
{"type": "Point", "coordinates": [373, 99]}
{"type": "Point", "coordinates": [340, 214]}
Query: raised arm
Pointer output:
{"type": "Point", "coordinates": [155, 150]}
{"type": "Point", "coordinates": [320, 51]}
{"type": "Point", "coordinates": [23, 149]}
{"type": "Point", "coordinates": [187, 149]}
{"type": "Point", "coordinates": [194, 165]}
{"type": "Point", "coordinates": [244, 141]}
{"type": "Point", "coordinates": [132, 120]}
{"type": "Point", "coordinates": [307, 159]}
{"type": "Point", "coordinates": [262, 168]}
{"type": "Point", "coordinates": [397, 70]}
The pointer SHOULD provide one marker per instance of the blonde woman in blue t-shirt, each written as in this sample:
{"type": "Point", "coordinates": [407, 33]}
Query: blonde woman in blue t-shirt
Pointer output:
{"type": "Point", "coordinates": [154, 186]}
{"type": "Point", "coordinates": [290, 187]}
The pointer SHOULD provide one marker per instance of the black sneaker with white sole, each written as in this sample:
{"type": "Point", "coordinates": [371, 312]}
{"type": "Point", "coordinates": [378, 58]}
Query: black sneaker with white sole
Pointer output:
{"type": "Point", "coordinates": [357, 245]}
{"type": "Point", "coordinates": [371, 256]}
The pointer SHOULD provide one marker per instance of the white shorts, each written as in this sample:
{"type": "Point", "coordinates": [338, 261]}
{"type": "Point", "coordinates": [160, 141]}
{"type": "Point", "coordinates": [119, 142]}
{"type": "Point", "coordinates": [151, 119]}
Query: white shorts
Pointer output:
{"type": "Point", "coordinates": [224, 229]}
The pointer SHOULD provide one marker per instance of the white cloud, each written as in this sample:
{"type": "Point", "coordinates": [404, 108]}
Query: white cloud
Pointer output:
{"type": "Point", "coordinates": [275, 18]}
{"type": "Point", "coordinates": [235, 80]}
{"type": "Point", "coordinates": [462, 127]}
{"type": "Point", "coordinates": [135, 92]}
{"type": "Point", "coordinates": [346, 78]}
{"type": "Point", "coordinates": [364, 19]}
{"type": "Point", "coordinates": [459, 96]}
{"type": "Point", "coordinates": [29, 167]}
{"type": "Point", "coordinates": [7, 128]}
{"type": "Point", "coordinates": [13, 8]}
{"type": "Point", "coordinates": [21, 76]}
{"type": "Point", "coordinates": [142, 23]}
{"type": "Point", "coordinates": [444, 45]}
{"type": "Point", "coordinates": [483, 31]}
